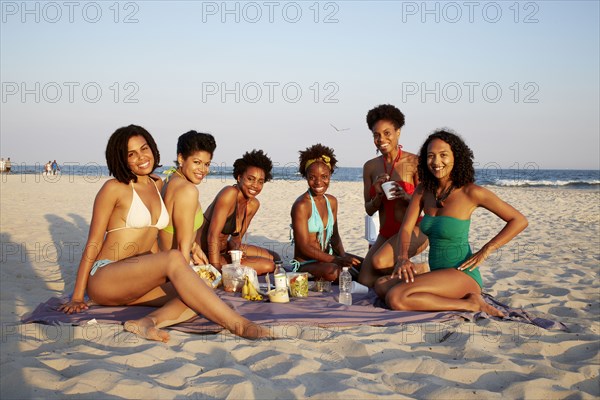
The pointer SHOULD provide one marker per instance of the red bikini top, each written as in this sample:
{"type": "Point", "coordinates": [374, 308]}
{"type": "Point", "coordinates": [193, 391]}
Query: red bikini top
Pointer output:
{"type": "Point", "coordinates": [409, 188]}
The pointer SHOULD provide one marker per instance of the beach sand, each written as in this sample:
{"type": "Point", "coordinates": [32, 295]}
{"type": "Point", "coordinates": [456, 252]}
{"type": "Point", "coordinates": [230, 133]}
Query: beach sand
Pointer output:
{"type": "Point", "coordinates": [550, 270]}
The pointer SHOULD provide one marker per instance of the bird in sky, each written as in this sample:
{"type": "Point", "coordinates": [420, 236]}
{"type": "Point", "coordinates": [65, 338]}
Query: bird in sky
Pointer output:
{"type": "Point", "coordinates": [339, 130]}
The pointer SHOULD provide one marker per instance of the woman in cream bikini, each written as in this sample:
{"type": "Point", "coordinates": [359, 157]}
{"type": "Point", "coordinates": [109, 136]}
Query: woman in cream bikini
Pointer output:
{"type": "Point", "coordinates": [119, 265]}
{"type": "Point", "coordinates": [318, 248]}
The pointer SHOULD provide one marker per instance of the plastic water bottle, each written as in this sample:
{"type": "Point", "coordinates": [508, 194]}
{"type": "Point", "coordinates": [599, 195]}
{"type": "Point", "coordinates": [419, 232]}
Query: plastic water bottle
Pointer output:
{"type": "Point", "coordinates": [280, 276]}
{"type": "Point", "coordinates": [345, 287]}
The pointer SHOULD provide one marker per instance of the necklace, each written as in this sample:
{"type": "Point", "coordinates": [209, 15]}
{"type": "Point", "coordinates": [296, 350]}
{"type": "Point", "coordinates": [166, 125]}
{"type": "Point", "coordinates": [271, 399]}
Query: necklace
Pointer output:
{"type": "Point", "coordinates": [393, 163]}
{"type": "Point", "coordinates": [439, 200]}
{"type": "Point", "coordinates": [180, 174]}
{"type": "Point", "coordinates": [237, 231]}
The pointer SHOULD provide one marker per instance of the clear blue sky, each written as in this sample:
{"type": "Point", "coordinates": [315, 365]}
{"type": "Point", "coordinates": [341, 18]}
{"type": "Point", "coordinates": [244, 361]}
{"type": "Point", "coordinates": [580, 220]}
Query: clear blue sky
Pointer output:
{"type": "Point", "coordinates": [518, 80]}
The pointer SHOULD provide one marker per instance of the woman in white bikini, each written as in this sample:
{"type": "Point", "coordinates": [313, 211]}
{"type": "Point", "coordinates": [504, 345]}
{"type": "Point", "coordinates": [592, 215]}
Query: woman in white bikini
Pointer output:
{"type": "Point", "coordinates": [119, 265]}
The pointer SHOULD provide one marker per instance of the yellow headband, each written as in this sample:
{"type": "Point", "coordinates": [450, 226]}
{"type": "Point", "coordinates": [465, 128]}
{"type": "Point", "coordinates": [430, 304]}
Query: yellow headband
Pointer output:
{"type": "Point", "coordinates": [324, 159]}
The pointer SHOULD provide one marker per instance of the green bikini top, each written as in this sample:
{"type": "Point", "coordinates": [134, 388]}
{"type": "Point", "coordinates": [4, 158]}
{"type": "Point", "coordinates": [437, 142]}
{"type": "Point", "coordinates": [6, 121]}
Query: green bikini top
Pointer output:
{"type": "Point", "coordinates": [198, 218]}
{"type": "Point", "coordinates": [198, 221]}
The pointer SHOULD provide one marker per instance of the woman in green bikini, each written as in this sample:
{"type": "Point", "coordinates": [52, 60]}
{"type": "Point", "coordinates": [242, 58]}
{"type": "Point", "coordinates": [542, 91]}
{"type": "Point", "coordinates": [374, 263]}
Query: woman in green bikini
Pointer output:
{"type": "Point", "coordinates": [180, 194]}
{"type": "Point", "coordinates": [448, 196]}
{"type": "Point", "coordinates": [318, 248]}
{"type": "Point", "coordinates": [229, 215]}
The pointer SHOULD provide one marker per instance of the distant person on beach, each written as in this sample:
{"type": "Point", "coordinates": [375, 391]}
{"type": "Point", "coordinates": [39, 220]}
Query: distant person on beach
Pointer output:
{"type": "Point", "coordinates": [385, 122]}
{"type": "Point", "coordinates": [48, 168]}
{"type": "Point", "coordinates": [180, 194]}
{"type": "Point", "coordinates": [448, 196]}
{"type": "Point", "coordinates": [7, 166]}
{"type": "Point", "coordinates": [55, 168]}
{"type": "Point", "coordinates": [318, 247]}
{"type": "Point", "coordinates": [228, 217]}
{"type": "Point", "coordinates": [118, 266]}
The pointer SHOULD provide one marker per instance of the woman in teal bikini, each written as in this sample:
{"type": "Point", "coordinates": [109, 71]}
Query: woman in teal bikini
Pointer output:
{"type": "Point", "coordinates": [318, 248]}
{"type": "Point", "coordinates": [120, 266]}
{"type": "Point", "coordinates": [448, 196]}
{"type": "Point", "coordinates": [227, 218]}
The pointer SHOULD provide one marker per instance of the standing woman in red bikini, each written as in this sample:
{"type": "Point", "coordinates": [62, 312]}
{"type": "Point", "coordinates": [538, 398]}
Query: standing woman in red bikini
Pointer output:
{"type": "Point", "coordinates": [385, 121]}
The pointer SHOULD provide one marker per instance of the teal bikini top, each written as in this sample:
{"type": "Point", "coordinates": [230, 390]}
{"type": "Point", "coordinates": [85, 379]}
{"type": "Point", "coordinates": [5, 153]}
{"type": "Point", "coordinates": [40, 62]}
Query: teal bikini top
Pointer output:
{"type": "Point", "coordinates": [315, 223]}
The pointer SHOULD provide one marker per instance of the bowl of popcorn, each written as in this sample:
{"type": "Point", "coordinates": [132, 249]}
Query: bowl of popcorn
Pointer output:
{"type": "Point", "coordinates": [209, 274]}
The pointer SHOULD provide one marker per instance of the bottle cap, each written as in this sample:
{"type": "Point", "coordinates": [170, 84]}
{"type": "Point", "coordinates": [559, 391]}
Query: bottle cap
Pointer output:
{"type": "Point", "coordinates": [344, 268]}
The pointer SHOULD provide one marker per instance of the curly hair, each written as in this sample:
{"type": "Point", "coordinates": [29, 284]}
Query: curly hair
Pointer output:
{"type": "Point", "coordinates": [116, 152]}
{"type": "Point", "coordinates": [316, 152]}
{"type": "Point", "coordinates": [192, 142]}
{"type": "Point", "coordinates": [462, 172]}
{"type": "Point", "coordinates": [254, 158]}
{"type": "Point", "coordinates": [385, 112]}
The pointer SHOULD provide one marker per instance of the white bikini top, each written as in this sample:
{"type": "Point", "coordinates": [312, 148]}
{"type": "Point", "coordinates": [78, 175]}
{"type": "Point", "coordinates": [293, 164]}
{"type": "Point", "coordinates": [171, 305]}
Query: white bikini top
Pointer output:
{"type": "Point", "coordinates": [139, 216]}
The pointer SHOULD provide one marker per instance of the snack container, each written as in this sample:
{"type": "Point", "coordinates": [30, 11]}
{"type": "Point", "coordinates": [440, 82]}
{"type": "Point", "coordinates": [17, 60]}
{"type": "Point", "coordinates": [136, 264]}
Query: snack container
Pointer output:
{"type": "Point", "coordinates": [278, 296]}
{"type": "Point", "coordinates": [233, 280]}
{"type": "Point", "coordinates": [323, 286]}
{"type": "Point", "coordinates": [298, 284]}
{"type": "Point", "coordinates": [233, 277]}
{"type": "Point", "coordinates": [209, 273]}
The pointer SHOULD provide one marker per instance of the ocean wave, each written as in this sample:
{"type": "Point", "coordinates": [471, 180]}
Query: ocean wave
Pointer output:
{"type": "Point", "coordinates": [531, 183]}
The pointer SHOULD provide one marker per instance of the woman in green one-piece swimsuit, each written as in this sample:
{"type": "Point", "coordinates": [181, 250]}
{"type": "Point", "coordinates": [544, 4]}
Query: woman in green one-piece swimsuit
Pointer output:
{"type": "Point", "coordinates": [448, 196]}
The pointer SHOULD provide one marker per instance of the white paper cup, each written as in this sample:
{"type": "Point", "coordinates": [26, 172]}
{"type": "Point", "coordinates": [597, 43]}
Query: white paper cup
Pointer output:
{"type": "Point", "coordinates": [358, 288]}
{"type": "Point", "coordinates": [236, 256]}
{"type": "Point", "coordinates": [388, 188]}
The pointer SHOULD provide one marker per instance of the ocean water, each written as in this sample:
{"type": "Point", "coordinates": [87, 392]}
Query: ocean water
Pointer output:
{"type": "Point", "coordinates": [524, 177]}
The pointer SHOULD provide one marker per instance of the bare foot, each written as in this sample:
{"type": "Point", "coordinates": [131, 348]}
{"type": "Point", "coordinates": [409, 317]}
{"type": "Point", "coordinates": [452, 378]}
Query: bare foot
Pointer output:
{"type": "Point", "coordinates": [252, 331]}
{"type": "Point", "coordinates": [146, 328]}
{"type": "Point", "coordinates": [480, 305]}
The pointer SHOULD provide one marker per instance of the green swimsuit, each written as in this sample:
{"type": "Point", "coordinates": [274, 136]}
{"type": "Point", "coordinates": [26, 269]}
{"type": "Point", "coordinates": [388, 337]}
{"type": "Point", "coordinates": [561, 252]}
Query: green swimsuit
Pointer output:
{"type": "Point", "coordinates": [448, 243]}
